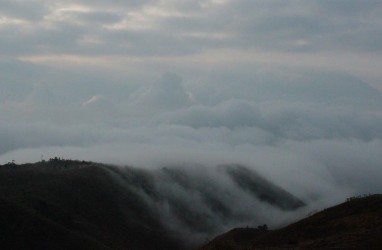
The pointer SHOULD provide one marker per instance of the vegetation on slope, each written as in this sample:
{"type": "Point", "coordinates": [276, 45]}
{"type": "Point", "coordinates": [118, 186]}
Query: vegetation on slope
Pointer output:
{"type": "Point", "coordinates": [355, 224]}
{"type": "Point", "coordinates": [64, 204]}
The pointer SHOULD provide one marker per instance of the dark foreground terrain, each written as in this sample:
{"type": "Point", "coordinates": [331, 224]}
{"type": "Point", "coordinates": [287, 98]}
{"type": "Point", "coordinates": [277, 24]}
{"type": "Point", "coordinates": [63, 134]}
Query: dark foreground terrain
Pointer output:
{"type": "Point", "coordinates": [65, 204]}
{"type": "Point", "coordinates": [355, 224]}
{"type": "Point", "coordinates": [73, 205]}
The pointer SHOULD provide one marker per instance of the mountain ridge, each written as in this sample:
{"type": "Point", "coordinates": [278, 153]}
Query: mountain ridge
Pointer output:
{"type": "Point", "coordinates": [101, 206]}
{"type": "Point", "coordinates": [354, 224]}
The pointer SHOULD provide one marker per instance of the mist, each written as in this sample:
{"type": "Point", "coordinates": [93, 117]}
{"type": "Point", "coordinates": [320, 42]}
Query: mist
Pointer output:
{"type": "Point", "coordinates": [290, 94]}
{"type": "Point", "coordinates": [321, 148]}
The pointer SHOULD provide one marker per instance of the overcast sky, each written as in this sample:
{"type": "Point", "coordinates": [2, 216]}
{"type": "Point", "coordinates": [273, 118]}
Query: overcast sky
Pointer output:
{"type": "Point", "coordinates": [290, 88]}
{"type": "Point", "coordinates": [141, 36]}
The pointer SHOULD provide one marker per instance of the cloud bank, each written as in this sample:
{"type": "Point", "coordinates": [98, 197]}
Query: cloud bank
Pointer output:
{"type": "Point", "coordinates": [297, 131]}
{"type": "Point", "coordinates": [282, 87]}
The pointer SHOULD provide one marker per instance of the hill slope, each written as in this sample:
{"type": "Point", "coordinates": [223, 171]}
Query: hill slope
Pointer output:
{"type": "Point", "coordinates": [355, 224]}
{"type": "Point", "coordinates": [263, 189]}
{"type": "Point", "coordinates": [74, 205]}
{"type": "Point", "coordinates": [64, 204]}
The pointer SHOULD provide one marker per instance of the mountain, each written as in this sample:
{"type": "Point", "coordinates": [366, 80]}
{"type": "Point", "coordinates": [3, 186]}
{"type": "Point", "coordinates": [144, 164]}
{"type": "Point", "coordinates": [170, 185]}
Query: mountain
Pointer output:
{"type": "Point", "coordinates": [73, 205]}
{"type": "Point", "coordinates": [66, 204]}
{"type": "Point", "coordinates": [355, 224]}
{"type": "Point", "coordinates": [262, 188]}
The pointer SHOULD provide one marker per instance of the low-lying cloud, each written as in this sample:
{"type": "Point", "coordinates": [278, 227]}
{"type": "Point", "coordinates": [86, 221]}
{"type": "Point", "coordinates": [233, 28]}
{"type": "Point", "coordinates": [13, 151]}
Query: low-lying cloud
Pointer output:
{"type": "Point", "coordinates": [321, 149]}
{"type": "Point", "coordinates": [300, 142]}
{"type": "Point", "coordinates": [276, 86]}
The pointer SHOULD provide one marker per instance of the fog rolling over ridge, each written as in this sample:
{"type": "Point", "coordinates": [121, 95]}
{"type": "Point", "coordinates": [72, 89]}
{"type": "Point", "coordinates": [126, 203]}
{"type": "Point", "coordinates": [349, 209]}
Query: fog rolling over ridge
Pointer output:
{"type": "Point", "coordinates": [216, 113]}
{"type": "Point", "coordinates": [314, 133]}
{"type": "Point", "coordinates": [195, 203]}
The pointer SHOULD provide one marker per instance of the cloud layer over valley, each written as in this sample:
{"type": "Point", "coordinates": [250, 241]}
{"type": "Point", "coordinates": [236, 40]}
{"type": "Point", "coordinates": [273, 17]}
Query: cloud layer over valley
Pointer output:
{"type": "Point", "coordinates": [289, 89]}
{"type": "Point", "coordinates": [296, 131]}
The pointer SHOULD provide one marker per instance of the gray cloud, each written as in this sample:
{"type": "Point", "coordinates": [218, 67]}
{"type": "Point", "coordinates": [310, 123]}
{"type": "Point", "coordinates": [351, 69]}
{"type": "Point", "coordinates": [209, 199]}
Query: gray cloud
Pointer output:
{"type": "Point", "coordinates": [33, 10]}
{"type": "Point", "coordinates": [222, 128]}
{"type": "Point", "coordinates": [278, 86]}
{"type": "Point", "coordinates": [179, 28]}
{"type": "Point", "coordinates": [167, 93]}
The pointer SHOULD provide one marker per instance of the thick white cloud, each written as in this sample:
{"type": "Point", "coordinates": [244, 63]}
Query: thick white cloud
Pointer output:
{"type": "Point", "coordinates": [167, 93]}
{"type": "Point", "coordinates": [280, 86]}
{"type": "Point", "coordinates": [309, 117]}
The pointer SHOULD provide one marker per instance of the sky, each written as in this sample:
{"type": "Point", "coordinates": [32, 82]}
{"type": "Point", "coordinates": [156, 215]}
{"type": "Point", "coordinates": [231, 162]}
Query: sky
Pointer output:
{"type": "Point", "coordinates": [290, 88]}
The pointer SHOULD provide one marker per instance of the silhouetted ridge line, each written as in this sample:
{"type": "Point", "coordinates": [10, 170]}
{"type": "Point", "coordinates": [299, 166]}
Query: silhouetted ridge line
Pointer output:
{"type": "Point", "coordinates": [263, 189]}
{"type": "Point", "coordinates": [354, 224]}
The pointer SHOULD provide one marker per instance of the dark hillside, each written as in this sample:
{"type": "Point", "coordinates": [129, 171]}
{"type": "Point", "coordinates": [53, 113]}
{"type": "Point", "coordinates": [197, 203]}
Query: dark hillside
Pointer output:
{"type": "Point", "coordinates": [258, 186]}
{"type": "Point", "coordinates": [73, 205]}
{"type": "Point", "coordinates": [65, 204]}
{"type": "Point", "coordinates": [355, 224]}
